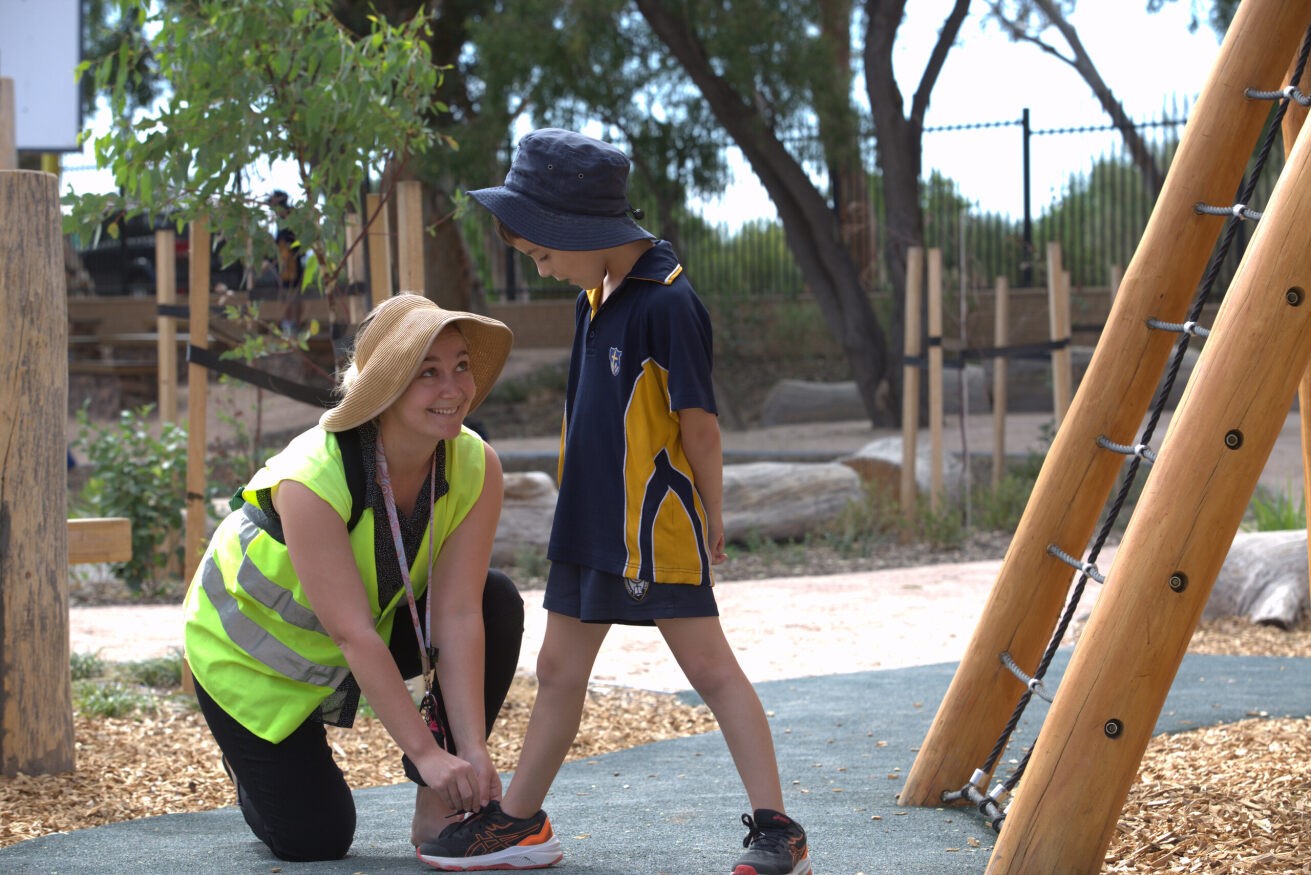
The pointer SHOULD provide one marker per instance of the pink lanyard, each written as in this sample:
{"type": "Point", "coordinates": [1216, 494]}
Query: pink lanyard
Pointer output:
{"type": "Point", "coordinates": [422, 630]}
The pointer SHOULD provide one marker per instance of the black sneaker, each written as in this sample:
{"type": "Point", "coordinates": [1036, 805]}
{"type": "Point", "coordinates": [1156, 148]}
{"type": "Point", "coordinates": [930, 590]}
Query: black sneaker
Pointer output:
{"type": "Point", "coordinates": [776, 845]}
{"type": "Point", "coordinates": [492, 839]}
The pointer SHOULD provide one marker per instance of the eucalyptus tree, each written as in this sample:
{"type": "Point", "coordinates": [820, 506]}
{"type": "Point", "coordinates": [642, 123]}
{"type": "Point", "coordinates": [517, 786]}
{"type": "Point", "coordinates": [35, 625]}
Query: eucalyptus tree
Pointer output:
{"type": "Point", "coordinates": [251, 82]}
{"type": "Point", "coordinates": [764, 69]}
{"type": "Point", "coordinates": [762, 66]}
{"type": "Point", "coordinates": [1030, 21]}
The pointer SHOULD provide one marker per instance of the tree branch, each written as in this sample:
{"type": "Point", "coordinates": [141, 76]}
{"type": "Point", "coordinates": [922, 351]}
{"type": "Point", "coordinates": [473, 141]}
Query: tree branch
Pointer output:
{"type": "Point", "coordinates": [946, 38]}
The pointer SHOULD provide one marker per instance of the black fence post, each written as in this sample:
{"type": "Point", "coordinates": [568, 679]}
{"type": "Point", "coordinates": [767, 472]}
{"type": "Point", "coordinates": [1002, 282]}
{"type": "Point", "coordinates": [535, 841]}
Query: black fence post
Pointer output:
{"type": "Point", "coordinates": [1026, 259]}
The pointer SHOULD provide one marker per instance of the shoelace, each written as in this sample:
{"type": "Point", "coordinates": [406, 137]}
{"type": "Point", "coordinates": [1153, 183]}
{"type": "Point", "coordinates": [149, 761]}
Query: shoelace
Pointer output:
{"type": "Point", "coordinates": [766, 840]}
{"type": "Point", "coordinates": [466, 821]}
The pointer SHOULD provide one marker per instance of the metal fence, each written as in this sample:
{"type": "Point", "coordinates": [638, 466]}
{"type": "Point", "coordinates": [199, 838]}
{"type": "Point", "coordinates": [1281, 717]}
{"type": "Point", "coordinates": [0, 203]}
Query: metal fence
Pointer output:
{"type": "Point", "coordinates": [1097, 212]}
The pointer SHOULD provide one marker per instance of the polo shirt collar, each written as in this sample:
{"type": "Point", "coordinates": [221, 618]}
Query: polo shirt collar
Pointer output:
{"type": "Point", "coordinates": [659, 264]}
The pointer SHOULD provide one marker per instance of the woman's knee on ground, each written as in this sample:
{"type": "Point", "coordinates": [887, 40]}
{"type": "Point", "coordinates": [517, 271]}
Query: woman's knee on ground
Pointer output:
{"type": "Point", "coordinates": [324, 833]}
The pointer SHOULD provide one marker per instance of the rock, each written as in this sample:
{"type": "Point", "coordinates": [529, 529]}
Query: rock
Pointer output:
{"type": "Point", "coordinates": [785, 500]}
{"type": "Point", "coordinates": [526, 514]}
{"type": "Point", "coordinates": [1029, 380]}
{"type": "Point", "coordinates": [1264, 578]}
{"type": "Point", "coordinates": [879, 461]}
{"type": "Point", "coordinates": [793, 401]}
{"type": "Point", "coordinates": [779, 500]}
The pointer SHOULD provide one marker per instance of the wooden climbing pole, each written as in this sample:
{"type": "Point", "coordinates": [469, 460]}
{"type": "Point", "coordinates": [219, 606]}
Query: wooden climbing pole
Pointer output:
{"type": "Point", "coordinates": [1089, 749]}
{"type": "Point", "coordinates": [36, 704]}
{"type": "Point", "coordinates": [1220, 437]}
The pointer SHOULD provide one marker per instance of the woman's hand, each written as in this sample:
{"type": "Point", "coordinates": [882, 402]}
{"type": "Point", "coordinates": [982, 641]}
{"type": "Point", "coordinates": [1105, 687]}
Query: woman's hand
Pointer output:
{"type": "Point", "coordinates": [456, 782]}
{"type": "Point", "coordinates": [489, 780]}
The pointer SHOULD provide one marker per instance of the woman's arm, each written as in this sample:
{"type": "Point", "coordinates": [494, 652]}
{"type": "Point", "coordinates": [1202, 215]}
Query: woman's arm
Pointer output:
{"type": "Point", "coordinates": [456, 595]}
{"type": "Point", "coordinates": [704, 448]}
{"type": "Point", "coordinates": [320, 552]}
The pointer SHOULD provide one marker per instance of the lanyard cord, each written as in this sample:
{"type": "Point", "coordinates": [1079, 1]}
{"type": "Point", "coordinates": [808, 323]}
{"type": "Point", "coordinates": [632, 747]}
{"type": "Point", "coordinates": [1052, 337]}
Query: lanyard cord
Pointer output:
{"type": "Point", "coordinates": [422, 630]}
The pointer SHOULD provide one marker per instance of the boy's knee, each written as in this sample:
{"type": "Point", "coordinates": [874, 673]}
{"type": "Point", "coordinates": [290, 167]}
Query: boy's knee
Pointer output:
{"type": "Point", "coordinates": [559, 674]}
{"type": "Point", "coordinates": [708, 676]}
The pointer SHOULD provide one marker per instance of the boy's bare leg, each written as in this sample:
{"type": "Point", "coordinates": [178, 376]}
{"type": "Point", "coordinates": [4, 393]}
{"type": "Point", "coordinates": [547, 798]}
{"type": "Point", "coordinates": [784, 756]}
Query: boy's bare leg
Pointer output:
{"type": "Point", "coordinates": [564, 667]}
{"type": "Point", "coordinates": [431, 816]}
{"type": "Point", "coordinates": [704, 654]}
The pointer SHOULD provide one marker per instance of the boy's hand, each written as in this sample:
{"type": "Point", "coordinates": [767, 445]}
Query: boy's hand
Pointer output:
{"type": "Point", "coordinates": [717, 554]}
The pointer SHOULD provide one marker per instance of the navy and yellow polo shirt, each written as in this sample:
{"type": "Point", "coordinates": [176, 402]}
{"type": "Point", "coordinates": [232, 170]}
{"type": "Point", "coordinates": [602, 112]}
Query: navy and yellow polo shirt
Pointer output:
{"type": "Point", "coordinates": [628, 504]}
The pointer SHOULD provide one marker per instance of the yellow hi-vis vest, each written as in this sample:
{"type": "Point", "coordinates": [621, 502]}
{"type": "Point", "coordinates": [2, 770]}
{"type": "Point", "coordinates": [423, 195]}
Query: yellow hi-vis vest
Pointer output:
{"type": "Point", "coordinates": [252, 640]}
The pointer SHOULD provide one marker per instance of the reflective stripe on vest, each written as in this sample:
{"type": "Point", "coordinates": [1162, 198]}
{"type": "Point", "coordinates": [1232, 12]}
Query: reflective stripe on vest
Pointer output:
{"type": "Point", "coordinates": [249, 635]}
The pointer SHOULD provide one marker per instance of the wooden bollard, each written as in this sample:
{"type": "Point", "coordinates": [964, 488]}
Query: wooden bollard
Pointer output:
{"type": "Point", "coordinates": [910, 395]}
{"type": "Point", "coordinates": [935, 379]}
{"type": "Point", "coordinates": [379, 240]}
{"type": "Point", "coordinates": [36, 701]}
{"type": "Point", "coordinates": [409, 236]}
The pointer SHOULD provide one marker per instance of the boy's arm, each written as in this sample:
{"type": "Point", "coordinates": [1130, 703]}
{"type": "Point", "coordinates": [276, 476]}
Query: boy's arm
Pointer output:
{"type": "Point", "coordinates": [704, 449]}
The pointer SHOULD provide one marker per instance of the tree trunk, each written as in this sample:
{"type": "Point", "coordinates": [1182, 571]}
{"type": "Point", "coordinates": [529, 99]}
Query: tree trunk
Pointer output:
{"type": "Point", "coordinates": [448, 270]}
{"type": "Point", "coordinates": [899, 137]}
{"type": "Point", "coordinates": [809, 225]}
{"type": "Point", "coordinates": [840, 131]}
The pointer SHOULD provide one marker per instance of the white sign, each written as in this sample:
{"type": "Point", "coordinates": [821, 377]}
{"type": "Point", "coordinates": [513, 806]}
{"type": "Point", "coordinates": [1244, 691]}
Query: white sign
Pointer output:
{"type": "Point", "coordinates": [40, 48]}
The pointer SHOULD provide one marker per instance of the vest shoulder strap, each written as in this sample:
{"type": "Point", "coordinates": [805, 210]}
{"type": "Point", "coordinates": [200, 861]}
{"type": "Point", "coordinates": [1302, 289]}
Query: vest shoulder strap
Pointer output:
{"type": "Point", "coordinates": [353, 462]}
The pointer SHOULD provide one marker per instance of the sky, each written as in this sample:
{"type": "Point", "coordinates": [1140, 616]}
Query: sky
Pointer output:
{"type": "Point", "coordinates": [1145, 58]}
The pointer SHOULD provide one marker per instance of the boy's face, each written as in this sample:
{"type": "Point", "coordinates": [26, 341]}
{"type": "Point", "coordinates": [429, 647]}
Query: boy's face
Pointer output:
{"type": "Point", "coordinates": [584, 269]}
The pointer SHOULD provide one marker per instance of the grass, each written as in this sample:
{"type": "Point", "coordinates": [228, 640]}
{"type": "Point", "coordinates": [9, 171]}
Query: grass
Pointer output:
{"type": "Point", "coordinates": [123, 689]}
{"type": "Point", "coordinates": [104, 698]}
{"type": "Point", "coordinates": [1271, 511]}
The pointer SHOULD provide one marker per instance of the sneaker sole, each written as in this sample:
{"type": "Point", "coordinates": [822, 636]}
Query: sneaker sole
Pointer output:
{"type": "Point", "coordinates": [541, 856]}
{"type": "Point", "coordinates": [801, 868]}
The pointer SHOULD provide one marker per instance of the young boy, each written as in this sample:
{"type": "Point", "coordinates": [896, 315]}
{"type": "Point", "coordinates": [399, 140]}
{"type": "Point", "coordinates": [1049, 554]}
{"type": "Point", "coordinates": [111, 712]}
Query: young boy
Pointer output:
{"type": "Point", "coordinates": [639, 518]}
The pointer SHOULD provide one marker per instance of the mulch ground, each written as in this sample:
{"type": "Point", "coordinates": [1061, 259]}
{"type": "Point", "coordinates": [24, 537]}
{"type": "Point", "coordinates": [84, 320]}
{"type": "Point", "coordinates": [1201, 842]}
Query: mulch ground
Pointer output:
{"type": "Point", "coordinates": [1224, 799]}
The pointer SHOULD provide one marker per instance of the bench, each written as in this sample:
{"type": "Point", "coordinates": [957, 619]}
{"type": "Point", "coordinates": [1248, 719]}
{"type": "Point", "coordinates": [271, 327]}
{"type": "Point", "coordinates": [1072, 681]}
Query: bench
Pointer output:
{"type": "Point", "coordinates": [99, 539]}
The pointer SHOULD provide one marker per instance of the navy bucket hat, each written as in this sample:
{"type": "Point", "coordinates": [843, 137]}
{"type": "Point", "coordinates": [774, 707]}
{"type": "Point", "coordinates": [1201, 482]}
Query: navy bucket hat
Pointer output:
{"type": "Point", "coordinates": [566, 191]}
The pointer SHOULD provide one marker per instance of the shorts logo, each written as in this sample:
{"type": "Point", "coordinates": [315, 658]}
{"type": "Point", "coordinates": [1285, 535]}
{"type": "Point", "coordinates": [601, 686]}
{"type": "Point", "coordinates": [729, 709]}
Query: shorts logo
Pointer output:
{"type": "Point", "coordinates": [615, 354]}
{"type": "Point", "coordinates": [637, 588]}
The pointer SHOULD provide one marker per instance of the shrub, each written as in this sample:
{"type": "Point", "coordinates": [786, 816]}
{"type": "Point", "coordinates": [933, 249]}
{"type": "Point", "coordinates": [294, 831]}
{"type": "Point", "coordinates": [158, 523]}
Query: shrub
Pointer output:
{"type": "Point", "coordinates": [160, 672]}
{"type": "Point", "coordinates": [113, 699]}
{"type": "Point", "coordinates": [142, 476]}
{"type": "Point", "coordinates": [86, 665]}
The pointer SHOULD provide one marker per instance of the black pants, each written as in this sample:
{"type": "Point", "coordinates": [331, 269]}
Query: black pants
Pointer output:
{"type": "Point", "coordinates": [292, 794]}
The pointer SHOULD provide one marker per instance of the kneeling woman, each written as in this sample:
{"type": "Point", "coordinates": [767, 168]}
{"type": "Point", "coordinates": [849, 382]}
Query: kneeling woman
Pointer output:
{"type": "Point", "coordinates": [352, 560]}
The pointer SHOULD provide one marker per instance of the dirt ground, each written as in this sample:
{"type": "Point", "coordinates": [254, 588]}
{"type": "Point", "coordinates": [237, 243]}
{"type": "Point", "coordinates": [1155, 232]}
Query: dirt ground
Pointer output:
{"type": "Point", "coordinates": [1224, 799]}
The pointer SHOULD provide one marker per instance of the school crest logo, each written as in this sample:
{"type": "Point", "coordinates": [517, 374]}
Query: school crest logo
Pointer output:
{"type": "Point", "coordinates": [637, 588]}
{"type": "Point", "coordinates": [615, 354]}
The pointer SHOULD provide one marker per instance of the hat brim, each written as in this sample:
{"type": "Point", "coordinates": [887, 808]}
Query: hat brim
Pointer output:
{"type": "Point", "coordinates": [556, 229]}
{"type": "Point", "coordinates": [376, 388]}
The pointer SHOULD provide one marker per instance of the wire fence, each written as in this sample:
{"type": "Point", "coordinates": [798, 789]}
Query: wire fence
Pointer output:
{"type": "Point", "coordinates": [1097, 211]}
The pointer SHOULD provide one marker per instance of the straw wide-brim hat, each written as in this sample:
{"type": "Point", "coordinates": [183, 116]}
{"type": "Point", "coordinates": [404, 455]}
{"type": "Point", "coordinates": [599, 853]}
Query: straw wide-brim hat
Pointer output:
{"type": "Point", "coordinates": [391, 345]}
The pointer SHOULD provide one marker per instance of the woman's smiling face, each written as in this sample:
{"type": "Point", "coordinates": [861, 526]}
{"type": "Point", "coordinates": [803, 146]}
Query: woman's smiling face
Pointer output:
{"type": "Point", "coordinates": [438, 398]}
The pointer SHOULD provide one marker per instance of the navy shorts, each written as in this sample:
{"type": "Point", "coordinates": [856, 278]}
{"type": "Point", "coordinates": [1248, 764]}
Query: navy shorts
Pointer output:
{"type": "Point", "coordinates": [596, 597]}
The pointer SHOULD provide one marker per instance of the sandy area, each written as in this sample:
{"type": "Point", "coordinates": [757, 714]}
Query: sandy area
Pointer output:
{"type": "Point", "coordinates": [780, 628]}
